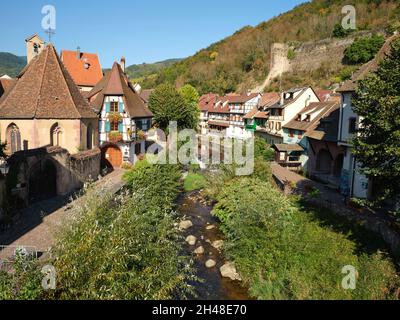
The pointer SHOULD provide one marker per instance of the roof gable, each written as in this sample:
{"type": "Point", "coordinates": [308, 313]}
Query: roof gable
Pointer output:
{"type": "Point", "coordinates": [45, 90]}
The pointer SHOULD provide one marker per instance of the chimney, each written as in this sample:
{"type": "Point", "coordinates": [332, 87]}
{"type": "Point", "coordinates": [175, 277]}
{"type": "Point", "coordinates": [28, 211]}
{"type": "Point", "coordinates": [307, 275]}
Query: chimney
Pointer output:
{"type": "Point", "coordinates": [123, 64]}
{"type": "Point", "coordinates": [78, 53]}
{"type": "Point", "coordinates": [308, 101]}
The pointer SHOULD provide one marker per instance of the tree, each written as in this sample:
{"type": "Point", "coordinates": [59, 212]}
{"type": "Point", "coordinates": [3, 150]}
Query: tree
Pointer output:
{"type": "Point", "coordinates": [167, 105]}
{"type": "Point", "coordinates": [191, 97]}
{"type": "Point", "coordinates": [364, 49]}
{"type": "Point", "coordinates": [377, 145]}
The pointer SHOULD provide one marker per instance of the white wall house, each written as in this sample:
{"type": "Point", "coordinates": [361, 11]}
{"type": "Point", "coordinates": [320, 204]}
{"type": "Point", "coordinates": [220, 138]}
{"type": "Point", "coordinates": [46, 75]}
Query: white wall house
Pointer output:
{"type": "Point", "coordinates": [353, 183]}
{"type": "Point", "coordinates": [239, 106]}
{"type": "Point", "coordinates": [292, 102]}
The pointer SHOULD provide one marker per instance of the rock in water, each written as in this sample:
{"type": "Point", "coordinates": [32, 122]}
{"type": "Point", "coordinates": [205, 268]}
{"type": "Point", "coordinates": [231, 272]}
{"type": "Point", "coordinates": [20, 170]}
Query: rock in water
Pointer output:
{"type": "Point", "coordinates": [184, 225]}
{"type": "Point", "coordinates": [191, 240]}
{"type": "Point", "coordinates": [199, 250]}
{"type": "Point", "coordinates": [210, 263]}
{"type": "Point", "coordinates": [228, 270]}
{"type": "Point", "coordinates": [218, 244]}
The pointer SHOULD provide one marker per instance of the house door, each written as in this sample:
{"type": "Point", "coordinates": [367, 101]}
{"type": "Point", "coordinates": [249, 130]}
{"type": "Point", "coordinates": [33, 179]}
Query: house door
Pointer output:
{"type": "Point", "coordinates": [112, 156]}
{"type": "Point", "coordinates": [42, 181]}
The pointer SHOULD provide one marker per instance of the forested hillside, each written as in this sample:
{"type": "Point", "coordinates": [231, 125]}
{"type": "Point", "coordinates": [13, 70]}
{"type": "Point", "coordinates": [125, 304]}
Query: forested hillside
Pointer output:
{"type": "Point", "coordinates": [11, 64]}
{"type": "Point", "coordinates": [138, 71]}
{"type": "Point", "coordinates": [242, 61]}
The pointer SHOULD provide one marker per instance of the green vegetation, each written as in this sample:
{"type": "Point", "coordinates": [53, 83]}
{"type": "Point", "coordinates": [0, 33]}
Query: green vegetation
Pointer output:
{"type": "Point", "coordinates": [167, 105]}
{"type": "Point", "coordinates": [284, 250]}
{"type": "Point", "coordinates": [340, 32]}
{"type": "Point", "coordinates": [263, 150]}
{"type": "Point", "coordinates": [364, 49]}
{"type": "Point", "coordinates": [377, 145]}
{"type": "Point", "coordinates": [291, 54]}
{"type": "Point", "coordinates": [241, 61]}
{"type": "Point", "coordinates": [11, 64]}
{"type": "Point", "coordinates": [117, 247]}
{"type": "Point", "coordinates": [147, 69]}
{"type": "Point", "coordinates": [194, 181]}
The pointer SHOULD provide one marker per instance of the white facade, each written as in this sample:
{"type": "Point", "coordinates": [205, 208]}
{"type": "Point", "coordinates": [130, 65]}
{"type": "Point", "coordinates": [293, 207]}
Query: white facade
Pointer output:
{"type": "Point", "coordinates": [353, 183]}
{"type": "Point", "coordinates": [237, 126]}
{"type": "Point", "coordinates": [301, 99]}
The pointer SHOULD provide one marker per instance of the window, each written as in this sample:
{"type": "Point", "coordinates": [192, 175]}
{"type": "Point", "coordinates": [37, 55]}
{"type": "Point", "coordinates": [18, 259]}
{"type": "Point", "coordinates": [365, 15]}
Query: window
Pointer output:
{"type": "Point", "coordinates": [300, 135]}
{"type": "Point", "coordinates": [278, 126]}
{"type": "Point", "coordinates": [114, 126]}
{"type": "Point", "coordinates": [56, 135]}
{"type": "Point", "coordinates": [352, 125]}
{"type": "Point", "coordinates": [13, 138]}
{"type": "Point", "coordinates": [114, 106]}
{"type": "Point", "coordinates": [291, 133]}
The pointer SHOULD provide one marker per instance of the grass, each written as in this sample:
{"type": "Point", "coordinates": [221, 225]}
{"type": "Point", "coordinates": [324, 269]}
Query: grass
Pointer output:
{"type": "Point", "coordinates": [194, 181]}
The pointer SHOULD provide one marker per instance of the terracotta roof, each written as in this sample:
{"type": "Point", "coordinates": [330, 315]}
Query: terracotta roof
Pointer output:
{"type": "Point", "coordinates": [269, 99]}
{"type": "Point", "coordinates": [116, 83]}
{"type": "Point", "coordinates": [241, 98]}
{"type": "Point", "coordinates": [45, 90]}
{"type": "Point", "coordinates": [288, 147]}
{"type": "Point", "coordinates": [324, 109]}
{"type": "Point", "coordinates": [86, 71]}
{"type": "Point", "coordinates": [323, 95]}
{"type": "Point", "coordinates": [218, 123]}
{"type": "Point", "coordinates": [5, 84]}
{"type": "Point", "coordinates": [369, 67]}
{"type": "Point", "coordinates": [207, 100]}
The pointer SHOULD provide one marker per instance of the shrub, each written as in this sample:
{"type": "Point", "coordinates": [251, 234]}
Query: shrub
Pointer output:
{"type": "Point", "coordinates": [125, 247]}
{"type": "Point", "coordinates": [364, 49]}
{"type": "Point", "coordinates": [291, 54]}
{"type": "Point", "coordinates": [282, 253]}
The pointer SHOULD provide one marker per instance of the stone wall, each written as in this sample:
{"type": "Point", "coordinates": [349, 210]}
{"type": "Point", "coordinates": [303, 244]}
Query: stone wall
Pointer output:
{"type": "Point", "coordinates": [71, 171]}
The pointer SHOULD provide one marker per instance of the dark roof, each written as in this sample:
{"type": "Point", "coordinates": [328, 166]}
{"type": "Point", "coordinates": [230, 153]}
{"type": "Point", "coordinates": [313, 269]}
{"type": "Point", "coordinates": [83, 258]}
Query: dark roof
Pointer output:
{"type": "Point", "coordinates": [369, 67]}
{"type": "Point", "coordinates": [233, 98]}
{"type": "Point", "coordinates": [45, 90]}
{"type": "Point", "coordinates": [116, 83]}
{"type": "Point", "coordinates": [145, 94]}
{"type": "Point", "coordinates": [324, 109]}
{"type": "Point", "coordinates": [288, 147]}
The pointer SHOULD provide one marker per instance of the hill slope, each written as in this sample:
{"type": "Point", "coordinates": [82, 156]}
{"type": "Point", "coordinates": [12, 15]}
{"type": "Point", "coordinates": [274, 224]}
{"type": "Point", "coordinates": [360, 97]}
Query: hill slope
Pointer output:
{"type": "Point", "coordinates": [242, 61]}
{"type": "Point", "coordinates": [147, 69]}
{"type": "Point", "coordinates": [11, 64]}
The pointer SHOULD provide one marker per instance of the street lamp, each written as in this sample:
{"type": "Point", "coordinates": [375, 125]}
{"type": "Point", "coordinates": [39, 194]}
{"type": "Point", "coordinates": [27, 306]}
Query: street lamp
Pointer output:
{"type": "Point", "coordinates": [4, 168]}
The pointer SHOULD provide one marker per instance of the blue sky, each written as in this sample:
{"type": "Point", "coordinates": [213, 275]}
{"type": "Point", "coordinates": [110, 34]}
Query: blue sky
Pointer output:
{"type": "Point", "coordinates": [142, 31]}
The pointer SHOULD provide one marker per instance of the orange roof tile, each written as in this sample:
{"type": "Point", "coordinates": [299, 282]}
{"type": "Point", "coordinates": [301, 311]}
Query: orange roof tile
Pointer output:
{"type": "Point", "coordinates": [85, 71]}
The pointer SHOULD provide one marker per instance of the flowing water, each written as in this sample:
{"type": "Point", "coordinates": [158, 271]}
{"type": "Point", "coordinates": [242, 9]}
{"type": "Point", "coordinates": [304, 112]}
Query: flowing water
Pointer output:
{"type": "Point", "coordinates": [214, 287]}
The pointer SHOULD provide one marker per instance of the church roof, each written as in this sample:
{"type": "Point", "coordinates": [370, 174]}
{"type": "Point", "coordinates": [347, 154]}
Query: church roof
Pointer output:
{"type": "Point", "coordinates": [116, 83]}
{"type": "Point", "coordinates": [45, 90]}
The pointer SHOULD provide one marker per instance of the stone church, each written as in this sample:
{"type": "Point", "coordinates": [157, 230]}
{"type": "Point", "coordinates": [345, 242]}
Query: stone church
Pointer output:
{"type": "Point", "coordinates": [44, 107]}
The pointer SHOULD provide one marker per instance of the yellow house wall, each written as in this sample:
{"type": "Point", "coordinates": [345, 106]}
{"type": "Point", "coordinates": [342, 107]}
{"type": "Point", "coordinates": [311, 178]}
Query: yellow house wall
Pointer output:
{"type": "Point", "coordinates": [36, 133]}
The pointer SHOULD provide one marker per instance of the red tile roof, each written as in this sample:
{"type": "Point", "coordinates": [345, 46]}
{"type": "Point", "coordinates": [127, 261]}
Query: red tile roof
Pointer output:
{"type": "Point", "coordinates": [44, 90]}
{"type": "Point", "coordinates": [5, 84]}
{"type": "Point", "coordinates": [115, 82]}
{"type": "Point", "coordinates": [86, 71]}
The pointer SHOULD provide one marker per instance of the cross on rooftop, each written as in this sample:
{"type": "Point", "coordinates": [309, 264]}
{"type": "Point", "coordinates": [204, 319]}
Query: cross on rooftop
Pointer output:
{"type": "Point", "coordinates": [50, 32]}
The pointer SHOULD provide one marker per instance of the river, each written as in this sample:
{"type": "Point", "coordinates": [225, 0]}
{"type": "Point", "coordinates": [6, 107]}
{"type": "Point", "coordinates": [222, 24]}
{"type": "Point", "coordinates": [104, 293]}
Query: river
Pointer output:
{"type": "Point", "coordinates": [214, 286]}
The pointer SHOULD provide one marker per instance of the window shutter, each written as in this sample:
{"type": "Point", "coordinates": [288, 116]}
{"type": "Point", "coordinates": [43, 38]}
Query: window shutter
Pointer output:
{"type": "Point", "coordinates": [121, 127]}
{"type": "Point", "coordinates": [107, 126]}
{"type": "Point", "coordinates": [120, 107]}
{"type": "Point", "coordinates": [108, 107]}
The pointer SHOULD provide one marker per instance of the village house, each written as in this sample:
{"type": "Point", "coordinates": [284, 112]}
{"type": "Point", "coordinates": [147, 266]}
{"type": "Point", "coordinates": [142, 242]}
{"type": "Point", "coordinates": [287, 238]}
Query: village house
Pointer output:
{"type": "Point", "coordinates": [44, 107]}
{"type": "Point", "coordinates": [239, 106]}
{"type": "Point", "coordinates": [205, 102]}
{"type": "Point", "coordinates": [124, 117]}
{"type": "Point", "coordinates": [309, 141]}
{"type": "Point", "coordinates": [256, 119]}
{"type": "Point", "coordinates": [278, 112]}
{"type": "Point", "coordinates": [353, 182]}
{"type": "Point", "coordinates": [84, 68]}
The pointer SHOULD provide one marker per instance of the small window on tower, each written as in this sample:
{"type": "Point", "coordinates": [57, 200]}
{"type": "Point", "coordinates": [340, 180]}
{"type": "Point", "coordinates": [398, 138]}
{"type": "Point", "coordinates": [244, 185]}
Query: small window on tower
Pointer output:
{"type": "Point", "coordinates": [114, 106]}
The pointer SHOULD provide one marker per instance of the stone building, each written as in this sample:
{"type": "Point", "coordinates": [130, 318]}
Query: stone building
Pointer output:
{"type": "Point", "coordinates": [43, 107]}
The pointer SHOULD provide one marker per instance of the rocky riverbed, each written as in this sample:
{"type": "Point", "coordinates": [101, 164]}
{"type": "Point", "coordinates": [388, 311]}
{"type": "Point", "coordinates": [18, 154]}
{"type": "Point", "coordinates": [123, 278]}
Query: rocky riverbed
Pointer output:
{"type": "Point", "coordinates": [205, 242]}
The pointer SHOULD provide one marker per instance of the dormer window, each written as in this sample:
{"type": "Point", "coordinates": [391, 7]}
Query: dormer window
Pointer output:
{"type": "Point", "coordinates": [308, 118]}
{"type": "Point", "coordinates": [298, 117]}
